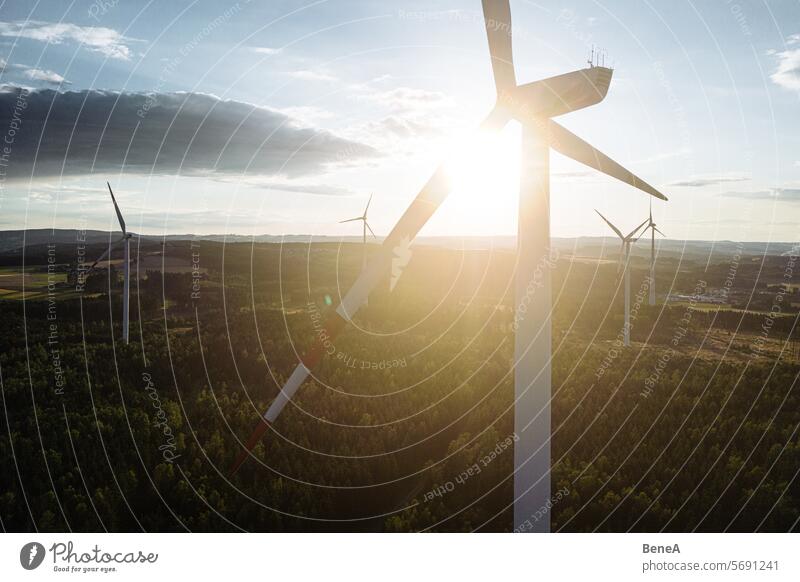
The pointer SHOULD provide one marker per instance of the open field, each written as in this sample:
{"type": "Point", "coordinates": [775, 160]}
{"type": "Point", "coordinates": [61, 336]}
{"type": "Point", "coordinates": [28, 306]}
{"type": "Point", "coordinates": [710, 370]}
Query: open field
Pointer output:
{"type": "Point", "coordinates": [30, 283]}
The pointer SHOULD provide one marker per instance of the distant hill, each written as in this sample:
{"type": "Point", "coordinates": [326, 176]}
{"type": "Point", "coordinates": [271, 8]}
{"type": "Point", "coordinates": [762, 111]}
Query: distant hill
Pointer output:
{"type": "Point", "coordinates": [13, 241]}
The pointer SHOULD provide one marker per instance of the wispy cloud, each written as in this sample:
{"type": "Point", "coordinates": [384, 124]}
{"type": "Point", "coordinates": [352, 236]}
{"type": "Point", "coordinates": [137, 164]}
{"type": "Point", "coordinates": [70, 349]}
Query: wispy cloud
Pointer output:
{"type": "Point", "coordinates": [787, 73]}
{"type": "Point", "coordinates": [53, 192]}
{"type": "Point", "coordinates": [715, 181]}
{"type": "Point", "coordinates": [402, 128]}
{"type": "Point", "coordinates": [412, 114]}
{"type": "Point", "coordinates": [315, 188]}
{"type": "Point", "coordinates": [308, 75]}
{"type": "Point", "coordinates": [265, 50]}
{"type": "Point", "coordinates": [100, 39]}
{"type": "Point", "coordinates": [407, 98]}
{"type": "Point", "coordinates": [576, 176]}
{"type": "Point", "coordinates": [660, 157]}
{"type": "Point", "coordinates": [46, 76]}
{"type": "Point", "coordinates": [773, 194]}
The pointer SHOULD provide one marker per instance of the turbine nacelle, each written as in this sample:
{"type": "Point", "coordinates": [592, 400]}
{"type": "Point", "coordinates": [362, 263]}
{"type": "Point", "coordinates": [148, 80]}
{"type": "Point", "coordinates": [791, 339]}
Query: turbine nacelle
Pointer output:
{"type": "Point", "coordinates": [555, 96]}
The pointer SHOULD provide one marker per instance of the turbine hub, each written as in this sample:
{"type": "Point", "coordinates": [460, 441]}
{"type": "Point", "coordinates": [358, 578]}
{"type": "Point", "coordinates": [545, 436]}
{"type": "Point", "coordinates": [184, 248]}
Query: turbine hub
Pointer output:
{"type": "Point", "coordinates": [556, 95]}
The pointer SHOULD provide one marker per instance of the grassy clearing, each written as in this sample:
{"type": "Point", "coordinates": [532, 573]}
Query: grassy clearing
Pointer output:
{"type": "Point", "coordinates": [31, 284]}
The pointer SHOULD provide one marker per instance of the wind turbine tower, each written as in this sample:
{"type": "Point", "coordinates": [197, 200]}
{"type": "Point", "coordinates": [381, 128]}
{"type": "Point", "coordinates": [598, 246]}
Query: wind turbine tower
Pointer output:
{"type": "Point", "coordinates": [624, 257]}
{"type": "Point", "coordinates": [653, 230]}
{"type": "Point", "coordinates": [126, 292]}
{"type": "Point", "coordinates": [365, 226]}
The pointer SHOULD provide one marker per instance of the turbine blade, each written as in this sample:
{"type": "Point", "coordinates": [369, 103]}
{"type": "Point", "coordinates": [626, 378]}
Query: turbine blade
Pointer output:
{"type": "Point", "coordinates": [608, 222]}
{"type": "Point", "coordinates": [497, 18]}
{"type": "Point", "coordinates": [367, 207]}
{"type": "Point", "coordinates": [101, 257]}
{"type": "Point", "coordinates": [658, 231]}
{"type": "Point", "coordinates": [635, 230]}
{"type": "Point", "coordinates": [119, 214]}
{"type": "Point", "coordinates": [351, 219]}
{"type": "Point", "coordinates": [294, 382]}
{"type": "Point", "coordinates": [392, 256]}
{"type": "Point", "coordinates": [370, 229]}
{"type": "Point", "coordinates": [106, 253]}
{"type": "Point", "coordinates": [570, 145]}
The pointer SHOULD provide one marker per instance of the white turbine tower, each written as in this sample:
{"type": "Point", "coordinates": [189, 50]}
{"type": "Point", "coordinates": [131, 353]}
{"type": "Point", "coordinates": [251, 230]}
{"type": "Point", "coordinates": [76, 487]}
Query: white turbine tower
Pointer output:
{"type": "Point", "coordinates": [653, 230]}
{"type": "Point", "coordinates": [363, 219]}
{"type": "Point", "coordinates": [624, 257]}
{"type": "Point", "coordinates": [533, 105]}
{"type": "Point", "coordinates": [126, 239]}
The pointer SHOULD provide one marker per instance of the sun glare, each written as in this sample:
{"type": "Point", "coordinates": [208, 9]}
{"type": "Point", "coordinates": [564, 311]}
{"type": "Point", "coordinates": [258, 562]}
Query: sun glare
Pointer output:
{"type": "Point", "coordinates": [484, 176]}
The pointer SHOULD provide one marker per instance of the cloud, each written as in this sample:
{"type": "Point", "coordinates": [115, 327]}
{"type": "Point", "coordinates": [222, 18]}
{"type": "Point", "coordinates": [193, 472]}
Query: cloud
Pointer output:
{"type": "Point", "coordinates": [701, 182]}
{"type": "Point", "coordinates": [97, 132]}
{"type": "Point", "coordinates": [579, 176]}
{"type": "Point", "coordinates": [46, 76]}
{"type": "Point", "coordinates": [401, 128]}
{"type": "Point", "coordinates": [54, 192]}
{"type": "Point", "coordinates": [312, 76]}
{"type": "Point", "coordinates": [660, 157]}
{"type": "Point", "coordinates": [576, 174]}
{"type": "Point", "coordinates": [787, 73]}
{"type": "Point", "coordinates": [406, 98]}
{"type": "Point", "coordinates": [264, 50]}
{"type": "Point", "coordinates": [413, 114]}
{"type": "Point", "coordinates": [282, 184]}
{"type": "Point", "coordinates": [306, 115]}
{"type": "Point", "coordinates": [99, 39]}
{"type": "Point", "coordinates": [773, 194]}
{"type": "Point", "coordinates": [309, 188]}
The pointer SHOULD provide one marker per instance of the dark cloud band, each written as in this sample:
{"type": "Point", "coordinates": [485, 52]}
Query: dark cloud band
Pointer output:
{"type": "Point", "coordinates": [90, 132]}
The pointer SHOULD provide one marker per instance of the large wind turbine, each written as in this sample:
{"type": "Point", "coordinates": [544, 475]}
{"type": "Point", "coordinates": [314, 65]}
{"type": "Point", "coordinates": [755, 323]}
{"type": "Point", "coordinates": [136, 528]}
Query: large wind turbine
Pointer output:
{"type": "Point", "coordinates": [363, 219]}
{"type": "Point", "coordinates": [624, 257]}
{"type": "Point", "coordinates": [533, 105]}
{"type": "Point", "coordinates": [653, 230]}
{"type": "Point", "coordinates": [126, 239]}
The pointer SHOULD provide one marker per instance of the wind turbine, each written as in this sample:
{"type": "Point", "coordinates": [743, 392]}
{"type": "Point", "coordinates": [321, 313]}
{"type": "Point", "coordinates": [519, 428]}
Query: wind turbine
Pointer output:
{"type": "Point", "coordinates": [625, 255]}
{"type": "Point", "coordinates": [533, 105]}
{"type": "Point", "coordinates": [363, 219]}
{"type": "Point", "coordinates": [653, 230]}
{"type": "Point", "coordinates": [126, 239]}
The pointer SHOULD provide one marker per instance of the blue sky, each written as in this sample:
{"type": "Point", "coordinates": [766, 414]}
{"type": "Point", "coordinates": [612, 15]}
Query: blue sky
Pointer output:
{"type": "Point", "coordinates": [704, 105]}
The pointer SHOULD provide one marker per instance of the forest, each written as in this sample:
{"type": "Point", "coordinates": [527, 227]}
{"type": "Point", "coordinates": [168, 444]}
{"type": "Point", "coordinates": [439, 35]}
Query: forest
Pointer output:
{"type": "Point", "coordinates": [408, 423]}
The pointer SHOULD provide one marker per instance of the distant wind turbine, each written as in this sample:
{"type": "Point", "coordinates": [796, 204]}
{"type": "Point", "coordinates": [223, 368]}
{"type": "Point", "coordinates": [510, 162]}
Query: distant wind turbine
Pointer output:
{"type": "Point", "coordinates": [365, 225]}
{"type": "Point", "coordinates": [624, 257]}
{"type": "Point", "coordinates": [653, 230]}
{"type": "Point", "coordinates": [533, 105]}
{"type": "Point", "coordinates": [126, 239]}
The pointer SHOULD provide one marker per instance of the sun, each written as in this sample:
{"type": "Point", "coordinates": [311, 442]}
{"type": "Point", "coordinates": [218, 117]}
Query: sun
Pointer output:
{"type": "Point", "coordinates": [484, 176]}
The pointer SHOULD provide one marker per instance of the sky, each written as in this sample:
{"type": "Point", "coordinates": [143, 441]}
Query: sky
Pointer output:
{"type": "Point", "coordinates": [283, 117]}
